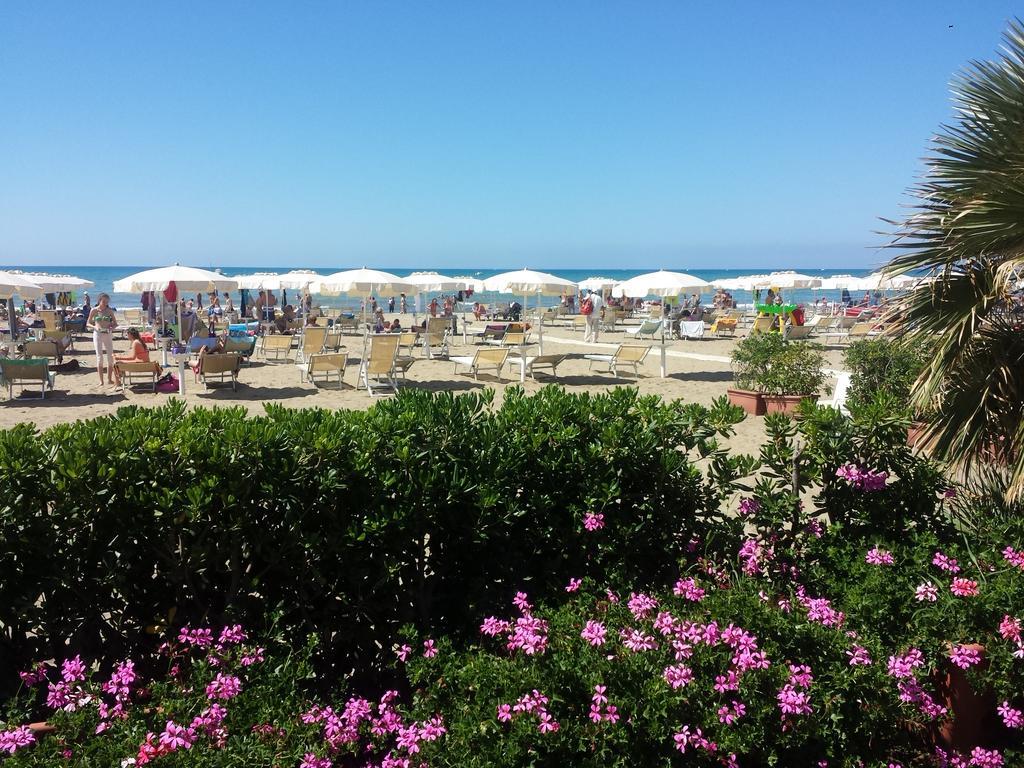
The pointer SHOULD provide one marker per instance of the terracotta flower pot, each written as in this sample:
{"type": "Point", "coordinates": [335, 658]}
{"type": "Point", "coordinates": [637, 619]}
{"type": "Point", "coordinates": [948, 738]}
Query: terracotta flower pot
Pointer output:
{"type": "Point", "coordinates": [972, 721]}
{"type": "Point", "coordinates": [783, 403]}
{"type": "Point", "coordinates": [750, 401]}
{"type": "Point", "coordinates": [915, 432]}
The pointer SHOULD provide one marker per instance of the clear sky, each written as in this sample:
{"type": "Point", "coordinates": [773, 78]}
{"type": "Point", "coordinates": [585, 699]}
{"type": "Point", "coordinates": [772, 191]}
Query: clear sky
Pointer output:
{"type": "Point", "coordinates": [489, 134]}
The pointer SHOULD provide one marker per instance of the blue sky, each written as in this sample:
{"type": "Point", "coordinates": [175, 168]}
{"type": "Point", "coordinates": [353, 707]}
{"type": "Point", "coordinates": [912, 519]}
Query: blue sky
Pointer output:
{"type": "Point", "coordinates": [456, 134]}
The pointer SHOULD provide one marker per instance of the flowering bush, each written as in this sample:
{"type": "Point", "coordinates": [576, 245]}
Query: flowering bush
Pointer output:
{"type": "Point", "coordinates": [346, 524]}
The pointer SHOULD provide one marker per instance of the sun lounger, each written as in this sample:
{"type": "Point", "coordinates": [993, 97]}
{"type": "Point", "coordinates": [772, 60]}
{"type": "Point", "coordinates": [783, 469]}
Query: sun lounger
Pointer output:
{"type": "Point", "coordinates": [346, 324]}
{"type": "Point", "coordinates": [856, 331]}
{"type": "Point", "coordinates": [24, 372]}
{"type": "Point", "coordinates": [724, 326]}
{"type": "Point", "coordinates": [647, 328]}
{"type": "Point", "coordinates": [838, 399]}
{"type": "Point", "coordinates": [137, 369]}
{"type": "Point", "coordinates": [377, 368]}
{"type": "Point", "coordinates": [220, 366]}
{"type": "Point", "coordinates": [625, 355]}
{"type": "Point", "coordinates": [438, 331]}
{"type": "Point", "coordinates": [534, 362]}
{"type": "Point", "coordinates": [490, 358]}
{"type": "Point", "coordinates": [48, 348]}
{"type": "Point", "coordinates": [244, 346]}
{"type": "Point", "coordinates": [197, 343]}
{"type": "Point", "coordinates": [277, 347]}
{"type": "Point", "coordinates": [798, 332]}
{"type": "Point", "coordinates": [311, 342]}
{"type": "Point", "coordinates": [762, 325]}
{"type": "Point", "coordinates": [326, 366]}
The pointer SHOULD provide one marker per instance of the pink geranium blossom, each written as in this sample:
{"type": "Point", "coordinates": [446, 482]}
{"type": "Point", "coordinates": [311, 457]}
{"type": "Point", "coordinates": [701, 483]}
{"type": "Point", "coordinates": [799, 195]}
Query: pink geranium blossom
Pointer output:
{"type": "Point", "coordinates": [678, 676]}
{"type": "Point", "coordinates": [876, 556]}
{"type": "Point", "coordinates": [593, 521]}
{"type": "Point", "coordinates": [573, 585]}
{"type": "Point", "coordinates": [429, 649]}
{"type": "Point", "coordinates": [13, 740]}
{"type": "Point", "coordinates": [1012, 718]}
{"type": "Point", "coordinates": [223, 687]}
{"type": "Point", "coordinates": [964, 657]}
{"type": "Point", "coordinates": [1014, 557]}
{"type": "Point", "coordinates": [926, 593]}
{"type": "Point", "coordinates": [945, 563]}
{"type": "Point", "coordinates": [964, 587]}
{"type": "Point", "coordinates": [594, 633]}
{"type": "Point", "coordinates": [688, 589]}
{"type": "Point", "coordinates": [859, 656]}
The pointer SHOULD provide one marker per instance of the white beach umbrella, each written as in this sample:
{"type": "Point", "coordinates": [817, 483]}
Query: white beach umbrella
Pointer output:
{"type": "Point", "coordinates": [474, 284]}
{"type": "Point", "coordinates": [363, 282]}
{"type": "Point", "coordinates": [882, 282]}
{"type": "Point", "coordinates": [599, 284]}
{"type": "Point", "coordinates": [841, 282]}
{"type": "Point", "coordinates": [259, 281]}
{"type": "Point", "coordinates": [57, 283]}
{"type": "Point", "coordinates": [11, 284]}
{"type": "Point", "coordinates": [662, 283]}
{"type": "Point", "coordinates": [524, 282]}
{"type": "Point", "coordinates": [298, 280]}
{"type": "Point", "coordinates": [434, 282]}
{"type": "Point", "coordinates": [786, 279]}
{"type": "Point", "coordinates": [185, 280]}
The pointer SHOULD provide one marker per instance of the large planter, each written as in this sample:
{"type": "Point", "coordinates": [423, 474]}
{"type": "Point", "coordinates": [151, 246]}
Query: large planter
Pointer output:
{"type": "Point", "coordinates": [972, 721]}
{"type": "Point", "coordinates": [750, 401]}
{"type": "Point", "coordinates": [783, 403]}
{"type": "Point", "coordinates": [915, 432]}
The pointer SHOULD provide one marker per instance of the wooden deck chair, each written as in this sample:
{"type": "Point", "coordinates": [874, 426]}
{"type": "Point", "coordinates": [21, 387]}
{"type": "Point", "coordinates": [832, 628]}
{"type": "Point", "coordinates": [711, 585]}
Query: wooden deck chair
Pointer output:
{"type": "Point", "coordinates": [132, 319]}
{"type": "Point", "coordinates": [407, 342]}
{"type": "Point", "coordinates": [222, 365]}
{"type": "Point", "coordinates": [48, 348]}
{"type": "Point", "coordinates": [798, 332]}
{"type": "Point", "coordinates": [724, 326]}
{"type": "Point", "coordinates": [487, 357]}
{"type": "Point", "coordinates": [310, 343]}
{"type": "Point", "coordinates": [610, 318]}
{"type": "Point", "coordinates": [860, 331]}
{"type": "Point", "coordinates": [377, 368]}
{"type": "Point", "coordinates": [346, 324]}
{"type": "Point", "coordinates": [24, 372]}
{"type": "Point", "coordinates": [63, 338]}
{"type": "Point", "coordinates": [243, 346]}
{"type": "Point", "coordinates": [762, 325]}
{"type": "Point", "coordinates": [579, 322]}
{"type": "Point", "coordinates": [649, 328]}
{"type": "Point", "coordinates": [325, 365]}
{"type": "Point", "coordinates": [277, 347]}
{"type": "Point", "coordinates": [137, 369]}
{"type": "Point", "coordinates": [625, 355]}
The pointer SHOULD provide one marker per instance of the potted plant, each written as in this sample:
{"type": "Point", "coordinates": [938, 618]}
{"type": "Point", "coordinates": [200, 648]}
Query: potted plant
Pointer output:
{"type": "Point", "coordinates": [794, 374]}
{"type": "Point", "coordinates": [884, 366]}
{"type": "Point", "coordinates": [751, 358]}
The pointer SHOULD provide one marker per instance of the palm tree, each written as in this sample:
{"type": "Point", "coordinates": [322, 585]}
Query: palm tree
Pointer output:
{"type": "Point", "coordinates": [967, 231]}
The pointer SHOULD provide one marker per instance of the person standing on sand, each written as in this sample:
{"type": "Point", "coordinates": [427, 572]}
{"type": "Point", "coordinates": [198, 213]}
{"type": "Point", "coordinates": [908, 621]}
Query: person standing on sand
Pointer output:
{"type": "Point", "coordinates": [391, 304]}
{"type": "Point", "coordinates": [103, 321]}
{"type": "Point", "coordinates": [405, 305]}
{"type": "Point", "coordinates": [594, 303]}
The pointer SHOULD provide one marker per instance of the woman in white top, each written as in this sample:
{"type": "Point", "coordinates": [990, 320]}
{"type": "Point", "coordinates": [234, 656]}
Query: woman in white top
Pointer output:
{"type": "Point", "coordinates": [102, 321]}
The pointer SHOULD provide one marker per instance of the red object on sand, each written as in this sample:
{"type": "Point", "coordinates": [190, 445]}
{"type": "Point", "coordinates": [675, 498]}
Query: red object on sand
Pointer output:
{"type": "Point", "coordinates": [171, 292]}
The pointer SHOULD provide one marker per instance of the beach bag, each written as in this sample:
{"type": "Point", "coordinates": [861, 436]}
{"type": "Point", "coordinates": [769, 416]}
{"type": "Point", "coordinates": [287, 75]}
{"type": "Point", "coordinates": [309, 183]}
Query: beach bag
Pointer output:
{"type": "Point", "coordinates": [587, 307]}
{"type": "Point", "coordinates": [168, 383]}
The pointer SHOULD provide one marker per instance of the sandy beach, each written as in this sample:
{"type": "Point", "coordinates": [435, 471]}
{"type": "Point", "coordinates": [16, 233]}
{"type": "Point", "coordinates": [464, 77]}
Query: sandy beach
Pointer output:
{"type": "Point", "coordinates": [698, 371]}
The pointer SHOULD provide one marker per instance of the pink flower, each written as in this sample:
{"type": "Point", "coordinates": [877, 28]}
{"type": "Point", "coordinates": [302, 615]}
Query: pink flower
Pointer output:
{"type": "Point", "coordinates": [200, 638]}
{"type": "Point", "coordinates": [522, 602]}
{"type": "Point", "coordinates": [730, 713]}
{"type": "Point", "coordinates": [637, 641]}
{"type": "Point", "coordinates": [926, 593]}
{"type": "Point", "coordinates": [876, 556]}
{"type": "Point", "coordinates": [547, 724]}
{"type": "Point", "coordinates": [233, 635]}
{"type": "Point", "coordinates": [13, 740]}
{"type": "Point", "coordinates": [1010, 628]}
{"type": "Point", "coordinates": [34, 676]}
{"type": "Point", "coordinates": [494, 627]}
{"type": "Point", "coordinates": [964, 587]}
{"type": "Point", "coordinates": [429, 649]}
{"type": "Point", "coordinates": [947, 564]}
{"type": "Point", "coordinates": [793, 702]}
{"type": "Point", "coordinates": [505, 713]}
{"type": "Point", "coordinates": [964, 657]}
{"type": "Point", "coordinates": [640, 605]}
{"type": "Point", "coordinates": [748, 508]}
{"type": "Point", "coordinates": [573, 585]}
{"type": "Point", "coordinates": [593, 521]}
{"type": "Point", "coordinates": [800, 675]}
{"type": "Point", "coordinates": [689, 590]}
{"type": "Point", "coordinates": [678, 676]}
{"type": "Point", "coordinates": [176, 737]}
{"type": "Point", "coordinates": [1012, 718]}
{"type": "Point", "coordinates": [594, 633]}
{"type": "Point", "coordinates": [902, 667]}
{"type": "Point", "coordinates": [403, 653]}
{"type": "Point", "coordinates": [529, 635]}
{"type": "Point", "coordinates": [1014, 557]}
{"type": "Point", "coordinates": [73, 670]}
{"type": "Point", "coordinates": [223, 687]}
{"type": "Point", "coordinates": [859, 656]}
{"type": "Point", "coordinates": [986, 758]}
{"type": "Point", "coordinates": [310, 760]}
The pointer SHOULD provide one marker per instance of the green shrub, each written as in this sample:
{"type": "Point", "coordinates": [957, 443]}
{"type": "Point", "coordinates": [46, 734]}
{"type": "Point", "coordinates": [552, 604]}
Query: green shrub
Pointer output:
{"type": "Point", "coordinates": [425, 509]}
{"type": "Point", "coordinates": [883, 368]}
{"type": "Point", "coordinates": [766, 362]}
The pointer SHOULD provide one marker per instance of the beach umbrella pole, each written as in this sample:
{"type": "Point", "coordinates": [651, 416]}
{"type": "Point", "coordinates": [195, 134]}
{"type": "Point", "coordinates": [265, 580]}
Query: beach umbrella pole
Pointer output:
{"type": "Point", "coordinates": [664, 319]}
{"type": "Point", "coordinates": [14, 324]}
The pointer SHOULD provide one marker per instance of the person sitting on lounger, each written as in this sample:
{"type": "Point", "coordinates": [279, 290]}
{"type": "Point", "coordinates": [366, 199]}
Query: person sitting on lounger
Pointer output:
{"type": "Point", "coordinates": [139, 352]}
{"type": "Point", "coordinates": [284, 322]}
